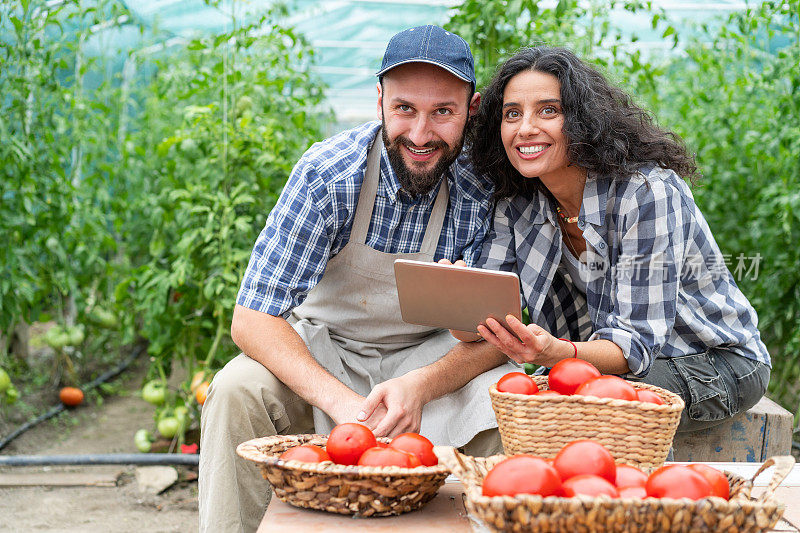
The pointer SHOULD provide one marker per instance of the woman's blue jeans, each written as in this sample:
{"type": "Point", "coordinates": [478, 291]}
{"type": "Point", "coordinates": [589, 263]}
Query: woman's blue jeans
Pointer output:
{"type": "Point", "coordinates": [715, 385]}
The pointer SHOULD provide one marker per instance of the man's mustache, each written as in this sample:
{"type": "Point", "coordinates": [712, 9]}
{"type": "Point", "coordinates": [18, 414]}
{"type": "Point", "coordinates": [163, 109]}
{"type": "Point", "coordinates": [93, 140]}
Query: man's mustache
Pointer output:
{"type": "Point", "coordinates": [405, 141]}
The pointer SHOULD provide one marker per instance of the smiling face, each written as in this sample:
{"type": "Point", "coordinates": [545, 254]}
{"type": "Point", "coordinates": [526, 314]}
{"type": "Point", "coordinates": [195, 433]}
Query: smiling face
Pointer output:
{"type": "Point", "coordinates": [424, 110]}
{"type": "Point", "coordinates": [532, 127]}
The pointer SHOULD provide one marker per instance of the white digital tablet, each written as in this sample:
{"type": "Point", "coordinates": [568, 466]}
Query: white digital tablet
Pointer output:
{"type": "Point", "coordinates": [454, 297]}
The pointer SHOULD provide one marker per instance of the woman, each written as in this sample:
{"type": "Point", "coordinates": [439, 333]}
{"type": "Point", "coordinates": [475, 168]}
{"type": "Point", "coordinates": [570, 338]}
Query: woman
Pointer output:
{"type": "Point", "coordinates": [617, 264]}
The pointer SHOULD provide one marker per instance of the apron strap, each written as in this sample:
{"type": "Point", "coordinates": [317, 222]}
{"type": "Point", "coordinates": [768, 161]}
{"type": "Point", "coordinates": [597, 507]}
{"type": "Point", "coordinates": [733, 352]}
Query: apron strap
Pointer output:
{"type": "Point", "coordinates": [369, 189]}
{"type": "Point", "coordinates": [366, 203]}
{"type": "Point", "coordinates": [436, 219]}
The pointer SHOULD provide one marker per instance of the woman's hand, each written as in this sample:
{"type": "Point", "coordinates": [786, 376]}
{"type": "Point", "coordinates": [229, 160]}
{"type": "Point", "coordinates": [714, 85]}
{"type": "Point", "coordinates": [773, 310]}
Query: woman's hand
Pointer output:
{"type": "Point", "coordinates": [463, 336]}
{"type": "Point", "coordinates": [525, 344]}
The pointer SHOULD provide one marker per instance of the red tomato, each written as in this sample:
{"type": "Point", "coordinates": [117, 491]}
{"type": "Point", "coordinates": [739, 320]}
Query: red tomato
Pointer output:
{"type": "Point", "coordinates": [307, 453]}
{"type": "Point", "coordinates": [719, 482]}
{"type": "Point", "coordinates": [589, 485]}
{"type": "Point", "coordinates": [378, 456]}
{"type": "Point", "coordinates": [677, 481]}
{"type": "Point", "coordinates": [569, 374]}
{"type": "Point", "coordinates": [629, 476]}
{"type": "Point", "coordinates": [518, 383]}
{"type": "Point", "coordinates": [608, 387]}
{"type": "Point", "coordinates": [522, 474]}
{"type": "Point", "coordinates": [547, 393]}
{"type": "Point", "coordinates": [644, 395]}
{"type": "Point", "coordinates": [71, 396]}
{"type": "Point", "coordinates": [585, 457]}
{"type": "Point", "coordinates": [348, 441]}
{"type": "Point", "coordinates": [633, 492]}
{"type": "Point", "coordinates": [416, 445]}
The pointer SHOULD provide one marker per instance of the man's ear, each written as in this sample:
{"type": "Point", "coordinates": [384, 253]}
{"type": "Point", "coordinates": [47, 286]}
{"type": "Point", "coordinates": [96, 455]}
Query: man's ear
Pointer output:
{"type": "Point", "coordinates": [474, 104]}
{"type": "Point", "coordinates": [380, 102]}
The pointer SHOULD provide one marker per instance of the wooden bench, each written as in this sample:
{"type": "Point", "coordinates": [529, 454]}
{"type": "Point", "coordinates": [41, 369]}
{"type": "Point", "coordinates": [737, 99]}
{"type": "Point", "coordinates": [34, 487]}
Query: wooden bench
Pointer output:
{"type": "Point", "coordinates": [763, 431]}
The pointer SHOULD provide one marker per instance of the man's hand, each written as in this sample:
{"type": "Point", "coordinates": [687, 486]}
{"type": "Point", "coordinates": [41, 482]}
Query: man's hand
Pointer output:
{"type": "Point", "coordinates": [402, 403]}
{"type": "Point", "coordinates": [347, 410]}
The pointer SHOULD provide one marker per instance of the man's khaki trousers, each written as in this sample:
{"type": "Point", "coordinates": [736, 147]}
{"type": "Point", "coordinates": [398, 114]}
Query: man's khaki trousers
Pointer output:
{"type": "Point", "coordinates": [246, 401]}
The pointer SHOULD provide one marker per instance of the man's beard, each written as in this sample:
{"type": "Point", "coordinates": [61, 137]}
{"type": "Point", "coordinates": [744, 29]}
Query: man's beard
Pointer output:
{"type": "Point", "coordinates": [414, 182]}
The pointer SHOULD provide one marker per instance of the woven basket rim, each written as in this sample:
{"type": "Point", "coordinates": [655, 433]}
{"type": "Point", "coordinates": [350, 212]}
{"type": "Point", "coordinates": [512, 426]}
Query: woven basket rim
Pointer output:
{"type": "Point", "coordinates": [673, 401]}
{"type": "Point", "coordinates": [722, 505]}
{"type": "Point", "coordinates": [252, 451]}
{"type": "Point", "coordinates": [472, 483]}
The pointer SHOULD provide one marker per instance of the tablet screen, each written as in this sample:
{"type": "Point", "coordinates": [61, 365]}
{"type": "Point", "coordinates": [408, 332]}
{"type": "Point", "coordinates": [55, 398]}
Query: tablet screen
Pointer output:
{"type": "Point", "coordinates": [452, 297]}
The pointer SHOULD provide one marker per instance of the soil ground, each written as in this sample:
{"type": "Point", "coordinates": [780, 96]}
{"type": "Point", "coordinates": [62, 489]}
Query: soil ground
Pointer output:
{"type": "Point", "coordinates": [106, 428]}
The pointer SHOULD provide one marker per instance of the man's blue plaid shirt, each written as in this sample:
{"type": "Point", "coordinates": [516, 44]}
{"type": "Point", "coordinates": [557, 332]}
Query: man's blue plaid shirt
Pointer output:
{"type": "Point", "coordinates": [312, 219]}
{"type": "Point", "coordinates": [659, 285]}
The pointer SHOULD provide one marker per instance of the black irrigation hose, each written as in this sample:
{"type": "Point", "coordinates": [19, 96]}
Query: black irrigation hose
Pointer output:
{"type": "Point", "coordinates": [189, 459]}
{"type": "Point", "coordinates": [114, 372]}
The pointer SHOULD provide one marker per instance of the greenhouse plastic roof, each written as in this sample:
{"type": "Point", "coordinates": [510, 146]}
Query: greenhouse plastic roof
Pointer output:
{"type": "Point", "coordinates": [349, 36]}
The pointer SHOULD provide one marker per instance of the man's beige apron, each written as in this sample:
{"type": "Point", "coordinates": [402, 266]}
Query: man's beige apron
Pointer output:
{"type": "Point", "coordinates": [352, 325]}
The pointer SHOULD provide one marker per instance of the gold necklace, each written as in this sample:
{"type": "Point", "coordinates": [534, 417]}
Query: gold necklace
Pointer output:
{"type": "Point", "coordinates": [569, 242]}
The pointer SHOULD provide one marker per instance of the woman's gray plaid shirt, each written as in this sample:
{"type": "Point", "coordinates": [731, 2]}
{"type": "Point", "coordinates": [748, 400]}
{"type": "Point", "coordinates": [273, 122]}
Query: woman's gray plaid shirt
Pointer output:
{"type": "Point", "coordinates": [658, 283]}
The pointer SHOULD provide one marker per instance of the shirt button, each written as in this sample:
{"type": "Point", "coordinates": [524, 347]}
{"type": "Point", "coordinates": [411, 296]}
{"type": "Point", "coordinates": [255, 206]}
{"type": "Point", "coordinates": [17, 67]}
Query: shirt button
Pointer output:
{"type": "Point", "coordinates": [602, 245]}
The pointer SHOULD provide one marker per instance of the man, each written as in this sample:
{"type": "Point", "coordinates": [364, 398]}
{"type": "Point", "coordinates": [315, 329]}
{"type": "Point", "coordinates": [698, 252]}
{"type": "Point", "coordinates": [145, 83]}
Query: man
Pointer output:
{"type": "Point", "coordinates": [317, 317]}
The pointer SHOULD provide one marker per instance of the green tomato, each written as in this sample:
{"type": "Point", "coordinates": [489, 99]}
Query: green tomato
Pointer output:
{"type": "Point", "coordinates": [143, 440]}
{"type": "Point", "coordinates": [56, 337]}
{"type": "Point", "coordinates": [154, 392]}
{"type": "Point", "coordinates": [76, 335]}
{"type": "Point", "coordinates": [11, 395]}
{"type": "Point", "coordinates": [5, 381]}
{"type": "Point", "coordinates": [103, 318]}
{"type": "Point", "coordinates": [169, 426]}
{"type": "Point", "coordinates": [181, 413]}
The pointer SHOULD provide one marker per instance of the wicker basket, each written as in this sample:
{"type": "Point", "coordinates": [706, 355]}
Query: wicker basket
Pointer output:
{"type": "Point", "coordinates": [342, 489]}
{"type": "Point", "coordinates": [525, 512]}
{"type": "Point", "coordinates": [636, 433]}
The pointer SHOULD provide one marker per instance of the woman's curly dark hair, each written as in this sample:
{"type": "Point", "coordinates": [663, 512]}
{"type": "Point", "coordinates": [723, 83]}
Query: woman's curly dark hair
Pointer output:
{"type": "Point", "coordinates": [607, 133]}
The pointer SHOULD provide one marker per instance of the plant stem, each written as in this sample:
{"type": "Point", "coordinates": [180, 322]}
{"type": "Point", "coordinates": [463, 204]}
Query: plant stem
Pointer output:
{"type": "Point", "coordinates": [217, 338]}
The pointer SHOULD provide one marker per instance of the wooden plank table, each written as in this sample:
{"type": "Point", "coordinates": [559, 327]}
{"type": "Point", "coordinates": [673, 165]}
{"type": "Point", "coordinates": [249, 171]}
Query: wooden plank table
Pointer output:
{"type": "Point", "coordinates": [446, 512]}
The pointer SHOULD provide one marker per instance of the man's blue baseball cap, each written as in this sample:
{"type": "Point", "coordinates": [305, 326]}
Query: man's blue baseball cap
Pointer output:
{"type": "Point", "coordinates": [430, 44]}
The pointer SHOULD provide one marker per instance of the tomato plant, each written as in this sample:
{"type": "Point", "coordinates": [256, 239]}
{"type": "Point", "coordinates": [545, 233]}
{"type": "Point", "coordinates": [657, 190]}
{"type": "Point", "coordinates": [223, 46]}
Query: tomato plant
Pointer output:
{"type": "Point", "coordinates": [348, 441]}
{"type": "Point", "coordinates": [568, 374]}
{"type": "Point", "coordinates": [608, 387]}
{"type": "Point", "coordinates": [417, 445]}
{"type": "Point", "coordinates": [307, 453]}
{"type": "Point", "coordinates": [522, 474]}
{"type": "Point", "coordinates": [589, 485]}
{"type": "Point", "coordinates": [378, 456]}
{"type": "Point", "coordinates": [585, 457]}
{"type": "Point", "coordinates": [677, 481]}
{"type": "Point", "coordinates": [517, 383]}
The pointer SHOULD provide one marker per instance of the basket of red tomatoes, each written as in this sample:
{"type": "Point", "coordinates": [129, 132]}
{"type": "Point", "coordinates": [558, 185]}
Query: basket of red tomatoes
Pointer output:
{"type": "Point", "coordinates": [349, 471]}
{"type": "Point", "coordinates": [584, 489]}
{"type": "Point", "coordinates": [540, 414]}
